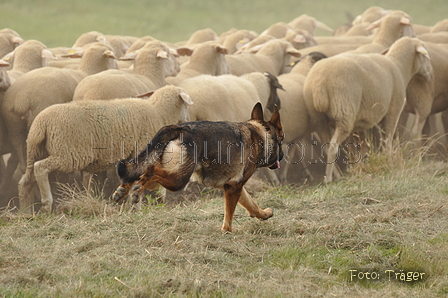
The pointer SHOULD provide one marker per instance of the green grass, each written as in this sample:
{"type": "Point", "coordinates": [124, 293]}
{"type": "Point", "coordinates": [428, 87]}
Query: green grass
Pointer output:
{"type": "Point", "coordinates": [59, 23]}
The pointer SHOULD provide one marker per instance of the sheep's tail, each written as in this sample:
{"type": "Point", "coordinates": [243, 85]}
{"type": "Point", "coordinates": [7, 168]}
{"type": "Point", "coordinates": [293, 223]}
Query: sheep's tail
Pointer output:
{"type": "Point", "coordinates": [321, 99]}
{"type": "Point", "coordinates": [36, 142]}
{"type": "Point", "coordinates": [130, 170]}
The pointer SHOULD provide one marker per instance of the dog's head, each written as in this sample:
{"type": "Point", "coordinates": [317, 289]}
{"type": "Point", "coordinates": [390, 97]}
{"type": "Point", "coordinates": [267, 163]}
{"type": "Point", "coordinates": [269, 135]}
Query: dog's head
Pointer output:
{"type": "Point", "coordinates": [273, 136]}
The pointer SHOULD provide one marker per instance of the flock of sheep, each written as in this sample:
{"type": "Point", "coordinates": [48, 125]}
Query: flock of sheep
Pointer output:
{"type": "Point", "coordinates": [81, 109]}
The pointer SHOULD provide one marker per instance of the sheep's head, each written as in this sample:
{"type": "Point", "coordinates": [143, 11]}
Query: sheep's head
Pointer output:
{"type": "Point", "coordinates": [273, 100]}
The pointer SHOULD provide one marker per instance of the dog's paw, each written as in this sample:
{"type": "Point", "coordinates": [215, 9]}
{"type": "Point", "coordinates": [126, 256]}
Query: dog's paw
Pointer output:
{"type": "Point", "coordinates": [135, 193]}
{"type": "Point", "coordinates": [268, 213]}
{"type": "Point", "coordinates": [119, 195]}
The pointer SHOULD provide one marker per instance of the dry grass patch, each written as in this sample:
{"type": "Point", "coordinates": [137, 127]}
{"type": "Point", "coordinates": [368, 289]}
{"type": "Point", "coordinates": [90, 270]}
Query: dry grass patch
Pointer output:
{"type": "Point", "coordinates": [366, 222]}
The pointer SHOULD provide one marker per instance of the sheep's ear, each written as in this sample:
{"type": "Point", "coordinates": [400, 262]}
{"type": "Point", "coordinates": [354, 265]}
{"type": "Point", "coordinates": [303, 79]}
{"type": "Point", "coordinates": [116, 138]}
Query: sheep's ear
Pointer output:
{"type": "Point", "coordinates": [17, 41]}
{"type": "Point", "coordinates": [74, 53]}
{"type": "Point", "coordinates": [9, 57]}
{"type": "Point", "coordinates": [3, 63]}
{"type": "Point", "coordinates": [222, 50]}
{"type": "Point", "coordinates": [299, 38]}
{"type": "Point", "coordinates": [185, 97]}
{"type": "Point", "coordinates": [257, 112]}
{"type": "Point", "coordinates": [275, 118]}
{"type": "Point", "coordinates": [185, 51]}
{"type": "Point", "coordinates": [374, 25]}
{"type": "Point", "coordinates": [422, 50]}
{"type": "Point", "coordinates": [405, 21]}
{"type": "Point", "coordinates": [293, 52]}
{"type": "Point", "coordinates": [129, 56]}
{"type": "Point", "coordinates": [241, 43]}
{"type": "Point", "coordinates": [256, 48]}
{"type": "Point", "coordinates": [109, 54]}
{"type": "Point", "coordinates": [147, 94]}
{"type": "Point", "coordinates": [322, 26]}
{"type": "Point", "coordinates": [47, 54]}
{"type": "Point", "coordinates": [162, 54]}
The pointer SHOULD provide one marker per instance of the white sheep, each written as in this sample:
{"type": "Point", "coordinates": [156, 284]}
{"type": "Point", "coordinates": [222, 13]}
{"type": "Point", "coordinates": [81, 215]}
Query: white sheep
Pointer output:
{"type": "Point", "coordinates": [393, 26]}
{"type": "Point", "coordinates": [206, 58]}
{"type": "Point", "coordinates": [371, 15]}
{"type": "Point", "coordinates": [308, 23]}
{"type": "Point", "coordinates": [229, 97]}
{"type": "Point", "coordinates": [29, 55]}
{"type": "Point", "coordinates": [120, 44]}
{"type": "Point", "coordinates": [93, 135]}
{"type": "Point", "coordinates": [42, 87]}
{"type": "Point", "coordinates": [273, 57]}
{"type": "Point", "coordinates": [152, 64]}
{"type": "Point", "coordinates": [235, 40]}
{"type": "Point", "coordinates": [354, 92]}
{"type": "Point", "coordinates": [278, 30]}
{"type": "Point", "coordinates": [202, 35]}
{"type": "Point", "coordinates": [5, 82]}
{"type": "Point", "coordinates": [296, 120]}
{"type": "Point", "coordinates": [427, 97]}
{"type": "Point", "coordinates": [9, 40]}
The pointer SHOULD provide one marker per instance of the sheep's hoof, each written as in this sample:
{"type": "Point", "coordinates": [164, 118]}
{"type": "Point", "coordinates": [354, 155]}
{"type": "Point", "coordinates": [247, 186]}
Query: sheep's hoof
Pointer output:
{"type": "Point", "coordinates": [118, 195]}
{"type": "Point", "coordinates": [135, 193]}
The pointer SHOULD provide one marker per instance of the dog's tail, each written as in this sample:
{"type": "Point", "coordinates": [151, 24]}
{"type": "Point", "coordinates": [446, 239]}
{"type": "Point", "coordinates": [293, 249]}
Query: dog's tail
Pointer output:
{"type": "Point", "coordinates": [130, 169]}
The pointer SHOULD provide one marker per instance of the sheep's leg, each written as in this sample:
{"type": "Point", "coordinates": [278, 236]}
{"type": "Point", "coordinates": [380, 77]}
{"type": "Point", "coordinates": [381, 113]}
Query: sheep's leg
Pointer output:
{"type": "Point", "coordinates": [41, 172]}
{"type": "Point", "coordinates": [332, 154]}
{"type": "Point", "coordinates": [26, 185]}
{"type": "Point", "coordinates": [391, 120]}
{"type": "Point", "coordinates": [155, 176]}
{"type": "Point", "coordinates": [252, 208]}
{"type": "Point", "coordinates": [11, 167]}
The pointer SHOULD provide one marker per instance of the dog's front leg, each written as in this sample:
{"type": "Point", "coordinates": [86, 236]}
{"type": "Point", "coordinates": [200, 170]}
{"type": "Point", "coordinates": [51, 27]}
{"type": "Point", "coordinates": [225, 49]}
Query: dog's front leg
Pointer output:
{"type": "Point", "coordinates": [232, 193]}
{"type": "Point", "coordinates": [252, 208]}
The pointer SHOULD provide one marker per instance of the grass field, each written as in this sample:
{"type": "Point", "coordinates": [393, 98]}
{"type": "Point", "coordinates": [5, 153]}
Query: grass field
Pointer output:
{"type": "Point", "coordinates": [59, 23]}
{"type": "Point", "coordinates": [323, 241]}
{"type": "Point", "coordinates": [385, 220]}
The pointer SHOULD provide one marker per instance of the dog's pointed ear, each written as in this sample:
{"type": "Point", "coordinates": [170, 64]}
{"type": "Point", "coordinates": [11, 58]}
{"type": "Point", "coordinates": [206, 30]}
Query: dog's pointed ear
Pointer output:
{"type": "Point", "coordinates": [275, 118]}
{"type": "Point", "coordinates": [257, 112]}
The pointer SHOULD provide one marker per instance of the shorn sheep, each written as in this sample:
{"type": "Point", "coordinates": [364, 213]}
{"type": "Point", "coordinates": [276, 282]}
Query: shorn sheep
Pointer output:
{"type": "Point", "coordinates": [354, 92]}
{"type": "Point", "coordinates": [152, 64]}
{"type": "Point", "coordinates": [93, 135]}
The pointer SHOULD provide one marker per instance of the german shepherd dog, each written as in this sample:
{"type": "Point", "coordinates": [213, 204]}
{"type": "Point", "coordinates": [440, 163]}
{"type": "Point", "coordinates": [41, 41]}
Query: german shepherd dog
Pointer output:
{"type": "Point", "coordinates": [223, 155]}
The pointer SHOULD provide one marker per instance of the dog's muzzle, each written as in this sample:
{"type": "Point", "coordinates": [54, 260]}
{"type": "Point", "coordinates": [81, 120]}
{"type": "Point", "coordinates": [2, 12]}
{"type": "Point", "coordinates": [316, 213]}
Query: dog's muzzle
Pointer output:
{"type": "Point", "coordinates": [275, 166]}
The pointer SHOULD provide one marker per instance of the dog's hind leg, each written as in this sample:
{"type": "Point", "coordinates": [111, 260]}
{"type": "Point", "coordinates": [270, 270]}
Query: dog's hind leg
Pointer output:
{"type": "Point", "coordinates": [121, 193]}
{"type": "Point", "coordinates": [154, 175]}
{"type": "Point", "coordinates": [252, 208]}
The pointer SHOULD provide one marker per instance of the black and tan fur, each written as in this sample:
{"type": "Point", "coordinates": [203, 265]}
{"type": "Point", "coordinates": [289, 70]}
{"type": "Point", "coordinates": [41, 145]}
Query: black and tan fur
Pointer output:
{"type": "Point", "coordinates": [223, 155]}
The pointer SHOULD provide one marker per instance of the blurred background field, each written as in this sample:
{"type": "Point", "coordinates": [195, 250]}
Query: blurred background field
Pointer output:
{"type": "Point", "coordinates": [59, 23]}
{"type": "Point", "coordinates": [387, 213]}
